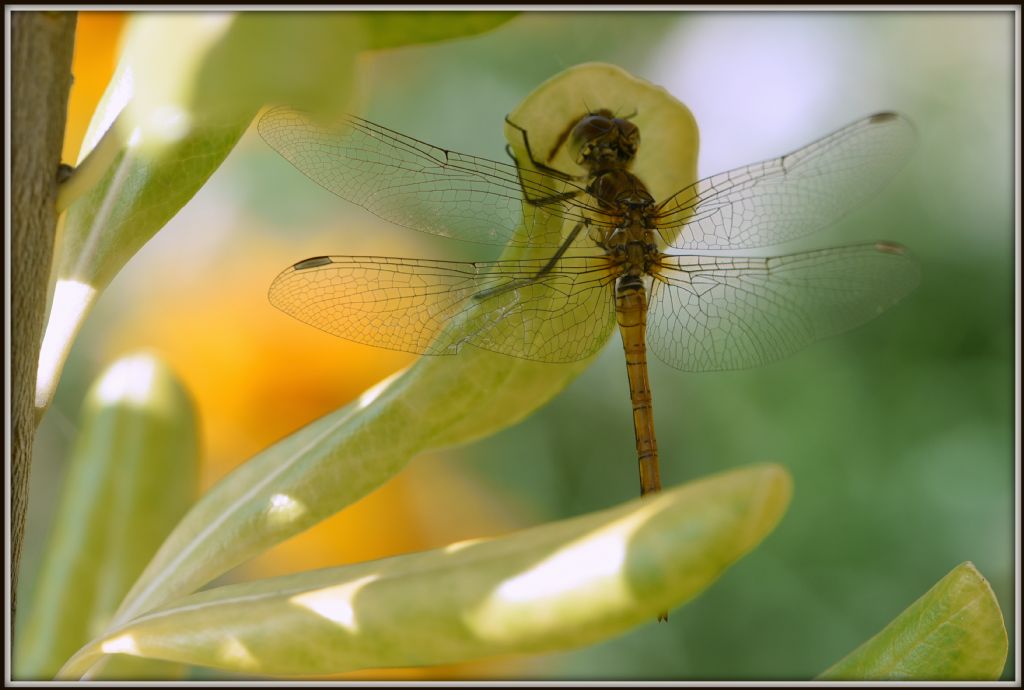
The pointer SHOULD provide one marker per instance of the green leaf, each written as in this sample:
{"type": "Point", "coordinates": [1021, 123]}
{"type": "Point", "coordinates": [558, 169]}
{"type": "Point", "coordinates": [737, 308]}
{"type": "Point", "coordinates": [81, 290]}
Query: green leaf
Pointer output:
{"type": "Point", "coordinates": [131, 477]}
{"type": "Point", "coordinates": [954, 632]}
{"type": "Point", "coordinates": [186, 88]}
{"type": "Point", "coordinates": [439, 401]}
{"type": "Point", "coordinates": [553, 587]}
{"type": "Point", "coordinates": [667, 158]}
{"type": "Point", "coordinates": [135, 197]}
{"type": "Point", "coordinates": [391, 29]}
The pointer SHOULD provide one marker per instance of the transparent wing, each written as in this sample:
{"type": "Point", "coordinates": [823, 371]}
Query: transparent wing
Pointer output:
{"type": "Point", "coordinates": [437, 307]}
{"type": "Point", "coordinates": [782, 199]}
{"type": "Point", "coordinates": [712, 313]}
{"type": "Point", "coordinates": [419, 186]}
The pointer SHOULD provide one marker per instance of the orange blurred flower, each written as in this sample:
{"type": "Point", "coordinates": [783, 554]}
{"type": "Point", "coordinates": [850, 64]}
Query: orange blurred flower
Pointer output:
{"type": "Point", "coordinates": [96, 47]}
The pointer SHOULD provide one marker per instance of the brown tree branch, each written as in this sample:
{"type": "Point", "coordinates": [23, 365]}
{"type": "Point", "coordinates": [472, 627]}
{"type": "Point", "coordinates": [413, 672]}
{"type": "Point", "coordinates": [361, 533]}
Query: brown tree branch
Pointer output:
{"type": "Point", "coordinates": [41, 49]}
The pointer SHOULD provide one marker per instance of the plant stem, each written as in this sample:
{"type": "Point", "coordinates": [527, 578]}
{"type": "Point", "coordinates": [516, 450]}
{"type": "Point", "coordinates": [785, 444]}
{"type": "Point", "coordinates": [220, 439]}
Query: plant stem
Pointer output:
{"type": "Point", "coordinates": [91, 170]}
{"type": "Point", "coordinates": [41, 48]}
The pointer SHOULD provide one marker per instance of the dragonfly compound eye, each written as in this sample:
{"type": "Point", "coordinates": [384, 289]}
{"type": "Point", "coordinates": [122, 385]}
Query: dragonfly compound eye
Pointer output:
{"type": "Point", "coordinates": [601, 141]}
{"type": "Point", "coordinates": [629, 134]}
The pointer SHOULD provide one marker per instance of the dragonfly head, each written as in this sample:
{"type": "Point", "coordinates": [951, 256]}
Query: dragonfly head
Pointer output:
{"type": "Point", "coordinates": [601, 141]}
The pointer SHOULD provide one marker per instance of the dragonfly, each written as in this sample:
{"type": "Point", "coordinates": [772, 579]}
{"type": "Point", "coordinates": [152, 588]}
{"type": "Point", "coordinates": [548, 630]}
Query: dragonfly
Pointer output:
{"type": "Point", "coordinates": [597, 250]}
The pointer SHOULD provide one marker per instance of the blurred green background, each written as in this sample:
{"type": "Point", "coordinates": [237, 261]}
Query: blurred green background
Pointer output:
{"type": "Point", "coordinates": [899, 435]}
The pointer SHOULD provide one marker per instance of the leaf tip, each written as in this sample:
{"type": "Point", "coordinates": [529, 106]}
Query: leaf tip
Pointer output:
{"type": "Point", "coordinates": [775, 485]}
{"type": "Point", "coordinates": [141, 379]}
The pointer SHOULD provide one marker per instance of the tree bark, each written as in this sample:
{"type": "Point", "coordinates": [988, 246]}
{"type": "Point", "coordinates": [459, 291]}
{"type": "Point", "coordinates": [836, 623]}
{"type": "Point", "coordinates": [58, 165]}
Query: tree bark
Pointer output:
{"type": "Point", "coordinates": [41, 47]}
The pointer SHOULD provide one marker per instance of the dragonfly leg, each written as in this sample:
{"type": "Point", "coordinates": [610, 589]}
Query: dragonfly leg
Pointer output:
{"type": "Point", "coordinates": [545, 200]}
{"type": "Point", "coordinates": [545, 269]}
{"type": "Point", "coordinates": [540, 200]}
{"type": "Point", "coordinates": [539, 165]}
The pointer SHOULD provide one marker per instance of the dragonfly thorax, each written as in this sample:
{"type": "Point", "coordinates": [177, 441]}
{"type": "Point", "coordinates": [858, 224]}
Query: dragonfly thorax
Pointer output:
{"type": "Point", "coordinates": [633, 249]}
{"type": "Point", "coordinates": [620, 191]}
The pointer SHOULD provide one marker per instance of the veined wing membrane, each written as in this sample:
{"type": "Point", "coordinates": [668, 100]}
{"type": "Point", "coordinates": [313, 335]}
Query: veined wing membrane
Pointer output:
{"type": "Point", "coordinates": [437, 307]}
{"type": "Point", "coordinates": [419, 186]}
{"type": "Point", "coordinates": [779, 200]}
{"type": "Point", "coordinates": [712, 313]}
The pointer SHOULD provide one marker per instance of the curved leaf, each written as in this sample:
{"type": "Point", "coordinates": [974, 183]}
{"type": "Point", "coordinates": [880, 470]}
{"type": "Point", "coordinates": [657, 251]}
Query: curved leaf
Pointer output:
{"type": "Point", "coordinates": [666, 160]}
{"type": "Point", "coordinates": [392, 29]}
{"type": "Point", "coordinates": [132, 475]}
{"type": "Point", "coordinates": [439, 401]}
{"type": "Point", "coordinates": [954, 632]}
{"type": "Point", "coordinates": [558, 586]}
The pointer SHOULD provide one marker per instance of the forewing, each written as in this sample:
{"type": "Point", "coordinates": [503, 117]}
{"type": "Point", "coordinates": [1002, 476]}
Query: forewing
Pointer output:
{"type": "Point", "coordinates": [712, 313]}
{"type": "Point", "coordinates": [419, 186]}
{"type": "Point", "coordinates": [437, 307]}
{"type": "Point", "coordinates": [785, 198]}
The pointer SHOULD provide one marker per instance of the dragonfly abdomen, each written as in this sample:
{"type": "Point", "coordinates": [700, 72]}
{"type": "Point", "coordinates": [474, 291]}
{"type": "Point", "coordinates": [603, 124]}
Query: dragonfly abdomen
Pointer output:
{"type": "Point", "coordinates": [631, 312]}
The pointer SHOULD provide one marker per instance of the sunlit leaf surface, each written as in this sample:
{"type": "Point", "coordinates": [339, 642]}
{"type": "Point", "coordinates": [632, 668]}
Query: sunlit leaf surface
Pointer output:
{"type": "Point", "coordinates": [954, 632]}
{"type": "Point", "coordinates": [557, 586]}
{"type": "Point", "coordinates": [132, 475]}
